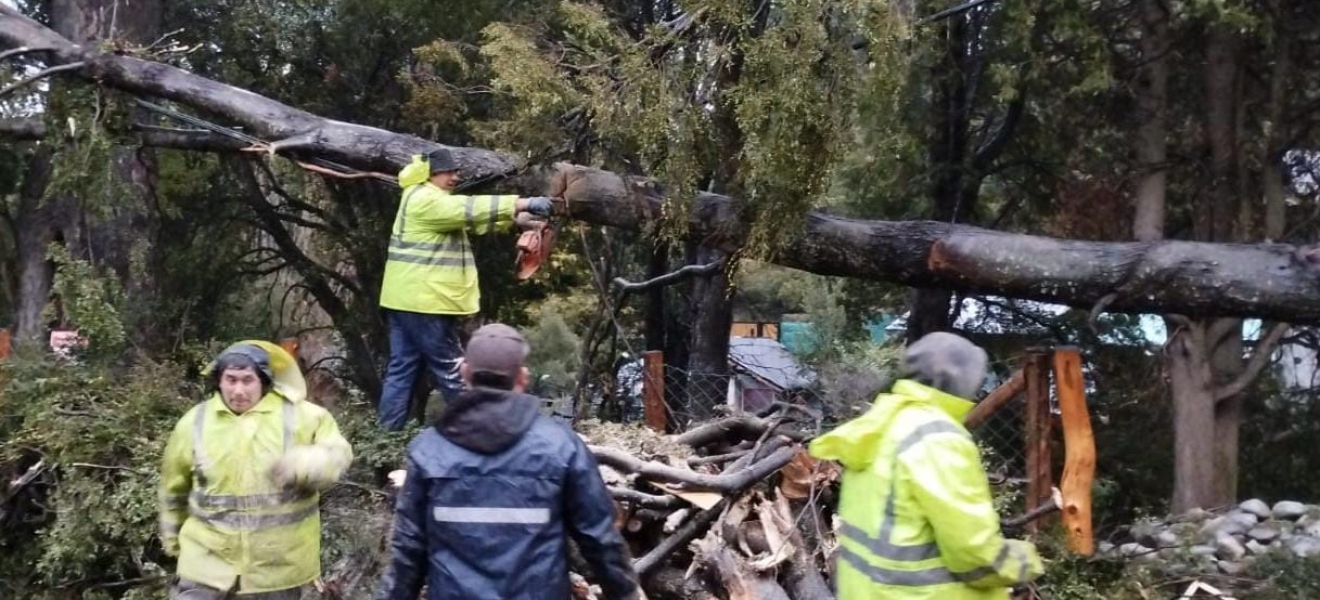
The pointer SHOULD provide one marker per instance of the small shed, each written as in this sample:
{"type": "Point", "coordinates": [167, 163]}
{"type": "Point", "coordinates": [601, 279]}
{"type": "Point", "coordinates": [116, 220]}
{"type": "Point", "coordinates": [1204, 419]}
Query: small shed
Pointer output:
{"type": "Point", "coordinates": [763, 371]}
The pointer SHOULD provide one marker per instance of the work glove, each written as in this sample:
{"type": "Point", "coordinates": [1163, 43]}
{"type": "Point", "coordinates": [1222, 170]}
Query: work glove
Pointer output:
{"type": "Point", "coordinates": [540, 206]}
{"type": "Point", "coordinates": [303, 468]}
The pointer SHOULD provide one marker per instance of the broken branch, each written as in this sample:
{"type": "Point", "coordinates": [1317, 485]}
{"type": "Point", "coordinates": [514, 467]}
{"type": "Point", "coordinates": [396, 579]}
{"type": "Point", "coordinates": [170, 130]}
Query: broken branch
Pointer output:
{"type": "Point", "coordinates": [728, 482]}
{"type": "Point", "coordinates": [744, 427]}
{"type": "Point", "coordinates": [644, 499]}
{"type": "Point", "coordinates": [1260, 357]}
{"type": "Point", "coordinates": [625, 286]}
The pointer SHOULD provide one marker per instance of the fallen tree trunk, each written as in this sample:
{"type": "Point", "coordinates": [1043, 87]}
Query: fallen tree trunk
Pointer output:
{"type": "Point", "coordinates": [1274, 281]}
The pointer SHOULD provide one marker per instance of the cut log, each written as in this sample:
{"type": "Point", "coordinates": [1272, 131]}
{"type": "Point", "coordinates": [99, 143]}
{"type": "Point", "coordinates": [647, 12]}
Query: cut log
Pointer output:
{"type": "Point", "coordinates": [675, 584]}
{"type": "Point", "coordinates": [739, 581]}
{"type": "Point", "coordinates": [690, 530]}
{"type": "Point", "coordinates": [1273, 281]}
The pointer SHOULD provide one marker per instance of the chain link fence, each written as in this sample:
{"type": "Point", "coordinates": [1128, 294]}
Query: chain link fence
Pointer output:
{"type": "Point", "coordinates": [692, 397]}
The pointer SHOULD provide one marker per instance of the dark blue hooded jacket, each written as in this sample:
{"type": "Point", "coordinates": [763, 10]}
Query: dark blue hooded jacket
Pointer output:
{"type": "Point", "coordinates": [493, 492]}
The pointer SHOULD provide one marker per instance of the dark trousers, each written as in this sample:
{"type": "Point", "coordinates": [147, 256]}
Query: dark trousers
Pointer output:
{"type": "Point", "coordinates": [182, 589]}
{"type": "Point", "coordinates": [418, 339]}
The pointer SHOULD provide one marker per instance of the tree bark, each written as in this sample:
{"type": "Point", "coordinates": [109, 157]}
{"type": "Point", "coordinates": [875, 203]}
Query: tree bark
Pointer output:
{"type": "Point", "coordinates": [1194, 431]}
{"type": "Point", "coordinates": [1274, 281]}
{"type": "Point", "coordinates": [35, 228]}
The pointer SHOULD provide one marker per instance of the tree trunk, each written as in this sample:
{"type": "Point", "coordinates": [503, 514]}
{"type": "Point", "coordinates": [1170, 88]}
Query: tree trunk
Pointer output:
{"type": "Point", "coordinates": [930, 309]}
{"type": "Point", "coordinates": [708, 363]}
{"type": "Point", "coordinates": [120, 232]}
{"type": "Point", "coordinates": [1274, 281]}
{"type": "Point", "coordinates": [35, 225]}
{"type": "Point", "coordinates": [1194, 420]}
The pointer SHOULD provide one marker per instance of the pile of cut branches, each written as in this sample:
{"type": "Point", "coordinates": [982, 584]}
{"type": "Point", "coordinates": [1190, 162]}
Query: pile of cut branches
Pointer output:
{"type": "Point", "coordinates": [733, 508]}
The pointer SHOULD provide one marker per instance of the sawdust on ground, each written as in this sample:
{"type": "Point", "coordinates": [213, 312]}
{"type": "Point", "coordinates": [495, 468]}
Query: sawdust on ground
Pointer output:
{"type": "Point", "coordinates": [633, 438]}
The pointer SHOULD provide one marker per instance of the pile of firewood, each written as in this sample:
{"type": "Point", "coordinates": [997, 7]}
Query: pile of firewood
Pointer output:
{"type": "Point", "coordinates": [729, 509]}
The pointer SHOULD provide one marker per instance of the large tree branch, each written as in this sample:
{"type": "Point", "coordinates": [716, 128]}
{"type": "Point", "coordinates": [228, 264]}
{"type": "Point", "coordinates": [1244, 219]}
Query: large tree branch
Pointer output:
{"type": "Point", "coordinates": [1260, 358]}
{"type": "Point", "coordinates": [1273, 281]}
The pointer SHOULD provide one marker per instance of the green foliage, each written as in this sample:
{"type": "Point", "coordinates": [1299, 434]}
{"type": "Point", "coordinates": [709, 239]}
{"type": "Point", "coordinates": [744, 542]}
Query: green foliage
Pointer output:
{"type": "Point", "coordinates": [1072, 577]}
{"type": "Point", "coordinates": [91, 298]}
{"type": "Point", "coordinates": [554, 358]}
{"type": "Point", "coordinates": [84, 122]}
{"type": "Point", "coordinates": [100, 432]}
{"type": "Point", "coordinates": [1285, 576]}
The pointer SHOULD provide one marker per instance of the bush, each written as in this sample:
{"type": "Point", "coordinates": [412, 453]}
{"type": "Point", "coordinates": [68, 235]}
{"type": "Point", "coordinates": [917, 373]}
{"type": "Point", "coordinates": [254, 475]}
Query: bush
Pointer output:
{"type": "Point", "coordinates": [86, 527]}
{"type": "Point", "coordinates": [96, 436]}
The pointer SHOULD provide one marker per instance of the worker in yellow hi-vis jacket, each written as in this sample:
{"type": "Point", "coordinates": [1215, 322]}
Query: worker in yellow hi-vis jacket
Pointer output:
{"type": "Point", "coordinates": [431, 276]}
{"type": "Point", "coordinates": [918, 522]}
{"type": "Point", "coordinates": [240, 481]}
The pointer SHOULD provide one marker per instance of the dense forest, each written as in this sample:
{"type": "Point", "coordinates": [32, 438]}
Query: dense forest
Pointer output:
{"type": "Point", "coordinates": [1136, 178]}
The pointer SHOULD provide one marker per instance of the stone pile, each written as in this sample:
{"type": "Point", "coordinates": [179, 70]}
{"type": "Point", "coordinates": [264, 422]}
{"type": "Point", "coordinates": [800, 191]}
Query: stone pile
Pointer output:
{"type": "Point", "coordinates": [1225, 542]}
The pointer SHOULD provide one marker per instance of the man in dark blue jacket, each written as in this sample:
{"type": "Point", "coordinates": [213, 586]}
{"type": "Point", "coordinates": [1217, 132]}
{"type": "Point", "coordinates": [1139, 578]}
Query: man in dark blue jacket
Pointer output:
{"type": "Point", "coordinates": [495, 489]}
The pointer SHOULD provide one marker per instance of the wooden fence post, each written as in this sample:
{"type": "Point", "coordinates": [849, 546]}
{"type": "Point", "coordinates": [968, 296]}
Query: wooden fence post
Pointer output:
{"type": "Point", "coordinates": [6, 341]}
{"type": "Point", "coordinates": [1040, 480]}
{"type": "Point", "coordinates": [653, 390]}
{"type": "Point", "coordinates": [1079, 451]}
{"type": "Point", "coordinates": [994, 401]}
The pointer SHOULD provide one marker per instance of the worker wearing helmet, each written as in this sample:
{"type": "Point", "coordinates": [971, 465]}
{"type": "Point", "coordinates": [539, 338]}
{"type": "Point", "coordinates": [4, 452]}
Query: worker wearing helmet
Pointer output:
{"type": "Point", "coordinates": [240, 481]}
{"type": "Point", "coordinates": [918, 522]}
{"type": "Point", "coordinates": [431, 276]}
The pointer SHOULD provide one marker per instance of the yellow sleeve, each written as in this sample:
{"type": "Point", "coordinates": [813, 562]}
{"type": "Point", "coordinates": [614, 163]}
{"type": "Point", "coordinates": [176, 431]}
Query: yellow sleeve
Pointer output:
{"type": "Point", "coordinates": [950, 485]}
{"type": "Point", "coordinates": [430, 209]}
{"type": "Point", "coordinates": [320, 464]}
{"type": "Point", "coordinates": [176, 477]}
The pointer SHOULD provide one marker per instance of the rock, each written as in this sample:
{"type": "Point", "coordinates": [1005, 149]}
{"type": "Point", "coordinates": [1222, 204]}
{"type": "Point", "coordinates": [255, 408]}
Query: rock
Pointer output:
{"type": "Point", "coordinates": [1256, 548]}
{"type": "Point", "coordinates": [1289, 510]}
{"type": "Point", "coordinates": [1234, 523]}
{"type": "Point", "coordinates": [1308, 523]}
{"type": "Point", "coordinates": [1264, 533]}
{"type": "Point", "coordinates": [1133, 550]}
{"type": "Point", "coordinates": [1166, 539]}
{"type": "Point", "coordinates": [1243, 518]}
{"type": "Point", "coordinates": [1304, 546]}
{"type": "Point", "coordinates": [1229, 567]}
{"type": "Point", "coordinates": [1256, 507]}
{"type": "Point", "coordinates": [1146, 532]}
{"type": "Point", "coordinates": [1104, 548]}
{"type": "Point", "coordinates": [1228, 548]}
{"type": "Point", "coordinates": [1198, 515]}
{"type": "Point", "coordinates": [1202, 550]}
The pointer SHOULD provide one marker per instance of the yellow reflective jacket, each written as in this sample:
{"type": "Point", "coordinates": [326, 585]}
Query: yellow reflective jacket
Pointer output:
{"type": "Point", "coordinates": [917, 518]}
{"type": "Point", "coordinates": [430, 267]}
{"type": "Point", "coordinates": [222, 513]}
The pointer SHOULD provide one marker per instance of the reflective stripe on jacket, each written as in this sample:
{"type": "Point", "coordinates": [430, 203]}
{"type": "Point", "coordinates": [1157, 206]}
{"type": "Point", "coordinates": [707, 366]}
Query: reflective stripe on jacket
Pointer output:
{"type": "Point", "coordinates": [491, 520]}
{"type": "Point", "coordinates": [917, 518]}
{"type": "Point", "coordinates": [220, 510]}
{"type": "Point", "coordinates": [430, 267]}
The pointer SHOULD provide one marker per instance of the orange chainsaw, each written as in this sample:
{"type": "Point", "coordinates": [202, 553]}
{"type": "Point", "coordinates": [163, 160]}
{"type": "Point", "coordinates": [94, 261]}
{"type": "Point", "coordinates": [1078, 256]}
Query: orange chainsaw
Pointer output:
{"type": "Point", "coordinates": [534, 245]}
